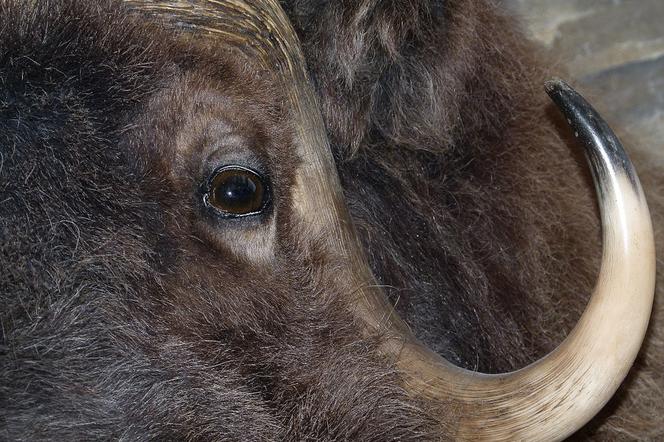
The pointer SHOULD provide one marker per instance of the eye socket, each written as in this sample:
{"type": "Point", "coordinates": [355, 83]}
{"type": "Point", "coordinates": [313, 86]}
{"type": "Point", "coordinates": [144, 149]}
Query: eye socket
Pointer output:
{"type": "Point", "coordinates": [236, 191]}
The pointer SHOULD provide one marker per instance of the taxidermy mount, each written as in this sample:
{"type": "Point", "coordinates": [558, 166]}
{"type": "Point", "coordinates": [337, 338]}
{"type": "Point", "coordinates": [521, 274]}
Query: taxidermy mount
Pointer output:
{"type": "Point", "coordinates": [315, 220]}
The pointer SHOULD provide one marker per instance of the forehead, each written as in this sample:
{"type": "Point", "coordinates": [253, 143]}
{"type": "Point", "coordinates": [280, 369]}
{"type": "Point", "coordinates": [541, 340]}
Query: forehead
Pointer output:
{"type": "Point", "coordinates": [99, 115]}
{"type": "Point", "coordinates": [200, 112]}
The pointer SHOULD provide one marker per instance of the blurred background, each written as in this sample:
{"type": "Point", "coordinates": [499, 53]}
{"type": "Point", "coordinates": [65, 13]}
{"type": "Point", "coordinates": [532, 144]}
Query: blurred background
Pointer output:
{"type": "Point", "coordinates": [614, 49]}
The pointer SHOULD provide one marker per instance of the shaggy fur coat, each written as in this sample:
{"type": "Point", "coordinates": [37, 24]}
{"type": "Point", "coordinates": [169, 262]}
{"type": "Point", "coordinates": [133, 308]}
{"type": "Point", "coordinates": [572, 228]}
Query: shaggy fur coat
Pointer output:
{"type": "Point", "coordinates": [131, 312]}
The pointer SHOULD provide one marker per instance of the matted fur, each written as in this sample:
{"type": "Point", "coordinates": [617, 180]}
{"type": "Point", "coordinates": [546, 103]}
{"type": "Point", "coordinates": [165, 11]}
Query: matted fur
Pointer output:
{"type": "Point", "coordinates": [129, 312]}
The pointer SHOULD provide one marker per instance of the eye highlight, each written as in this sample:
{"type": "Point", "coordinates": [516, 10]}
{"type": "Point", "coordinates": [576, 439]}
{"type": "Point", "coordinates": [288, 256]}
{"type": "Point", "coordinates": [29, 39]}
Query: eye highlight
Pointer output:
{"type": "Point", "coordinates": [236, 191]}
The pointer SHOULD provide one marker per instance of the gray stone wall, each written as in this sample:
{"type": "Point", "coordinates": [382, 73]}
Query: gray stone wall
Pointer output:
{"type": "Point", "coordinates": [615, 50]}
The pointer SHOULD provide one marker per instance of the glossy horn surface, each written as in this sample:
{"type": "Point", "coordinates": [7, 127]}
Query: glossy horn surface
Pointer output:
{"type": "Point", "coordinates": [555, 396]}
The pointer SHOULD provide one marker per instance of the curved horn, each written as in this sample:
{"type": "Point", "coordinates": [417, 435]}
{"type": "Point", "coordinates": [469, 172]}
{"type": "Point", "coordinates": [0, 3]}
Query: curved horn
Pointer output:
{"type": "Point", "coordinates": [552, 397]}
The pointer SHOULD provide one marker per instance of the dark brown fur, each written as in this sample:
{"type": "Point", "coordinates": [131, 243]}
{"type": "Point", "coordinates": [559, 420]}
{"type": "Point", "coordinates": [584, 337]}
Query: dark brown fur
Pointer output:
{"type": "Point", "coordinates": [129, 311]}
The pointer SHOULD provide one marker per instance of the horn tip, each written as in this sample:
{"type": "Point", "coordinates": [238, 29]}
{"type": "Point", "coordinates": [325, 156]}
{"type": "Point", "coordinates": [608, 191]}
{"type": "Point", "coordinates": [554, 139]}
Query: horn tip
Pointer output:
{"type": "Point", "coordinates": [562, 93]}
{"type": "Point", "coordinates": [602, 146]}
{"type": "Point", "coordinates": [555, 84]}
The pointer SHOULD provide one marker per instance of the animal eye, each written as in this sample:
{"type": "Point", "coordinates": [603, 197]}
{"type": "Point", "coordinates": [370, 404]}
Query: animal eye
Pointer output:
{"type": "Point", "coordinates": [236, 191]}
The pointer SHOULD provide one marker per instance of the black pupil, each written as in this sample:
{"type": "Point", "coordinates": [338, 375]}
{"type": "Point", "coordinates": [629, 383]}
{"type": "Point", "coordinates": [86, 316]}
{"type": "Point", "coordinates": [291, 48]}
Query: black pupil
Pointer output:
{"type": "Point", "coordinates": [237, 192]}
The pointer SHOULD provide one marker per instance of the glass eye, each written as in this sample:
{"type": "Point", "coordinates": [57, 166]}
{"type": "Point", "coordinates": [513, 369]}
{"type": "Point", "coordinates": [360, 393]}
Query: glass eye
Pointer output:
{"type": "Point", "coordinates": [237, 191]}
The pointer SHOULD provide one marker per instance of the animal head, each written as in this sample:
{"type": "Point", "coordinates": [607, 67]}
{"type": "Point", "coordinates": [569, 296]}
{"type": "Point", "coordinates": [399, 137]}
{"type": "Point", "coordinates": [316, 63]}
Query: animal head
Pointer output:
{"type": "Point", "coordinates": [179, 260]}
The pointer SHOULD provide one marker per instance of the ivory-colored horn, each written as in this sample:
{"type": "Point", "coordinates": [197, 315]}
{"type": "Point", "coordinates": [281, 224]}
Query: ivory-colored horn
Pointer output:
{"type": "Point", "coordinates": [553, 397]}
{"type": "Point", "coordinates": [547, 400]}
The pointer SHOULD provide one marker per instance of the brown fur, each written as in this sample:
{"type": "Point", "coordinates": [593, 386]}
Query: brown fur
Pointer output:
{"type": "Point", "coordinates": [131, 311]}
{"type": "Point", "coordinates": [459, 189]}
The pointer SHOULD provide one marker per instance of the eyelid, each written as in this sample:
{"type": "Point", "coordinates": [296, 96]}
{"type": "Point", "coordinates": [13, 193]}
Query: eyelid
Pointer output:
{"type": "Point", "coordinates": [233, 155]}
